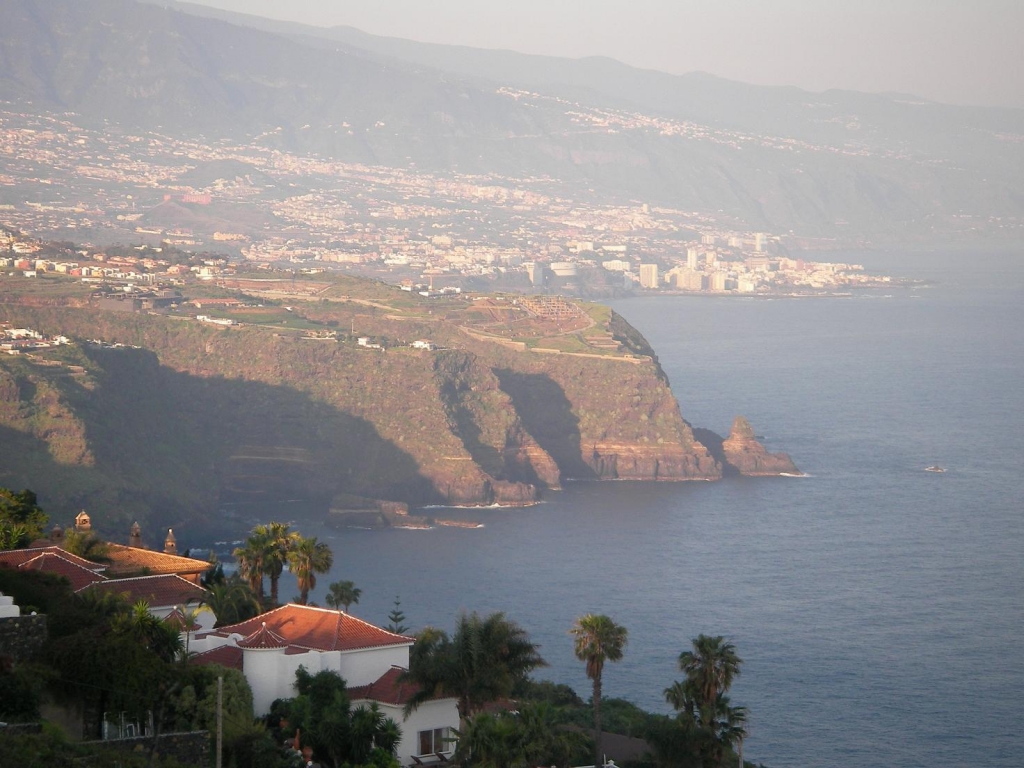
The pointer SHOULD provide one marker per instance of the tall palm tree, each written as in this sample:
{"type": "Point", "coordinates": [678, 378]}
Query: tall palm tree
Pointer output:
{"type": "Point", "coordinates": [341, 594]}
{"type": "Point", "coordinates": [597, 639]}
{"type": "Point", "coordinates": [252, 559]}
{"type": "Point", "coordinates": [279, 539]}
{"type": "Point", "coordinates": [307, 558]}
{"type": "Point", "coordinates": [710, 668]}
{"type": "Point", "coordinates": [482, 662]}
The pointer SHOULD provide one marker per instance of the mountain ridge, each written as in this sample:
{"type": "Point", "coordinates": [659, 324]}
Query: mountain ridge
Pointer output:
{"type": "Point", "coordinates": [780, 159]}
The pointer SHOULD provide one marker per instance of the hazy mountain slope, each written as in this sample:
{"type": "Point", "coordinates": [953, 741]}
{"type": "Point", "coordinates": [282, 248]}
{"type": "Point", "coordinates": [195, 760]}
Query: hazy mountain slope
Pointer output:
{"type": "Point", "coordinates": [778, 158]}
{"type": "Point", "coordinates": [833, 116]}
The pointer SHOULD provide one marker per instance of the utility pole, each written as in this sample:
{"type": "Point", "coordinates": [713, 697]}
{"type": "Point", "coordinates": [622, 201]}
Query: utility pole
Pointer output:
{"type": "Point", "coordinates": [220, 719]}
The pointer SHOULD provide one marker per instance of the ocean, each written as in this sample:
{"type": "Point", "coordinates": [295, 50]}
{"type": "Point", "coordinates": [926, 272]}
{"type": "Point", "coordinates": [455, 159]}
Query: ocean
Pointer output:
{"type": "Point", "coordinates": [878, 608]}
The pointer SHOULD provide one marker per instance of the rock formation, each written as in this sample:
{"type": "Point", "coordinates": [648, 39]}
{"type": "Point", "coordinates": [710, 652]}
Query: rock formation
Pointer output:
{"type": "Point", "coordinates": [743, 453]}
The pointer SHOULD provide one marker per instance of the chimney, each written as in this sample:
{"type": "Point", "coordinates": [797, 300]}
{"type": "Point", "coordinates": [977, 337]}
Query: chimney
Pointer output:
{"type": "Point", "coordinates": [135, 537]}
{"type": "Point", "coordinates": [170, 543]}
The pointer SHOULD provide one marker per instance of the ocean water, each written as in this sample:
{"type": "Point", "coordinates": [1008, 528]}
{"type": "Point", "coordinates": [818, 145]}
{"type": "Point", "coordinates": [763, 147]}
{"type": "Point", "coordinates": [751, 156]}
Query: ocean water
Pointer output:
{"type": "Point", "coordinates": [878, 608]}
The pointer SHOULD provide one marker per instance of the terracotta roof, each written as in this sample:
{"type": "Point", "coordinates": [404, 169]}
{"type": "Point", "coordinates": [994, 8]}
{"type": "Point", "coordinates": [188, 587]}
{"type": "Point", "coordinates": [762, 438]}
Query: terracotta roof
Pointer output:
{"type": "Point", "coordinates": [162, 590]}
{"type": "Point", "coordinates": [320, 629]}
{"type": "Point", "coordinates": [176, 619]}
{"type": "Point", "coordinates": [387, 689]}
{"type": "Point", "coordinates": [15, 557]}
{"type": "Point", "coordinates": [50, 562]}
{"type": "Point", "coordinates": [226, 656]}
{"type": "Point", "coordinates": [125, 560]}
{"type": "Point", "coordinates": [263, 638]}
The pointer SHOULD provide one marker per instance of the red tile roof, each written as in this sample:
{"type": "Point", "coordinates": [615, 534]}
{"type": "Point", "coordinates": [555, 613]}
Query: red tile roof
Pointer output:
{"type": "Point", "coordinates": [389, 688]}
{"type": "Point", "coordinates": [51, 562]}
{"type": "Point", "coordinates": [226, 656]}
{"type": "Point", "coordinates": [318, 629]}
{"type": "Point", "coordinates": [176, 619]}
{"type": "Point", "coordinates": [163, 590]}
{"type": "Point", "coordinates": [263, 638]}
{"type": "Point", "coordinates": [15, 557]}
{"type": "Point", "coordinates": [130, 560]}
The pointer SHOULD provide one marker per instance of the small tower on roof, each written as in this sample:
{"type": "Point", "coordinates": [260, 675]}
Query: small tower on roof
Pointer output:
{"type": "Point", "coordinates": [135, 536]}
{"type": "Point", "coordinates": [56, 534]}
{"type": "Point", "coordinates": [83, 524]}
{"type": "Point", "coordinates": [170, 543]}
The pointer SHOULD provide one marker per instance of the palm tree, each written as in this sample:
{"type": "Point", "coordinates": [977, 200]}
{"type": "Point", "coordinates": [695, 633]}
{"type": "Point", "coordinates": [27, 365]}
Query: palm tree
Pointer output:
{"type": "Point", "coordinates": [342, 594]}
{"type": "Point", "coordinates": [252, 559]}
{"type": "Point", "coordinates": [597, 639]}
{"type": "Point", "coordinates": [307, 558]}
{"type": "Point", "coordinates": [232, 602]}
{"type": "Point", "coordinates": [482, 662]}
{"type": "Point", "coordinates": [279, 540]}
{"type": "Point", "coordinates": [710, 668]}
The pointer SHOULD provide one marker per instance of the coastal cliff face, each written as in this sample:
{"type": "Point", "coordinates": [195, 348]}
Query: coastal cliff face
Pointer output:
{"type": "Point", "coordinates": [197, 415]}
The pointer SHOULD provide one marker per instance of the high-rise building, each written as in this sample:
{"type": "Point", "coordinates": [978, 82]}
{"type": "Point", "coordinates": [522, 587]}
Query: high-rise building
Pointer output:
{"type": "Point", "coordinates": [691, 258]}
{"type": "Point", "coordinates": [536, 272]}
{"type": "Point", "coordinates": [649, 276]}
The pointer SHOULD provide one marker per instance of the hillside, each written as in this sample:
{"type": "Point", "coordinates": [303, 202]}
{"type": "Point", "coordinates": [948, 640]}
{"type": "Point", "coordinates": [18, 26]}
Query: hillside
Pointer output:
{"type": "Point", "coordinates": [835, 164]}
{"type": "Point", "coordinates": [189, 415]}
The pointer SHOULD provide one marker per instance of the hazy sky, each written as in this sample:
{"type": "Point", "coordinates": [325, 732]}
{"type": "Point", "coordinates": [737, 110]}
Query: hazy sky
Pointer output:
{"type": "Point", "coordinates": [957, 51]}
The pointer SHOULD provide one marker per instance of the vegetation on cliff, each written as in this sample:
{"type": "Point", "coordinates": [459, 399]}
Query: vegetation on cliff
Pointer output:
{"type": "Point", "coordinates": [328, 397]}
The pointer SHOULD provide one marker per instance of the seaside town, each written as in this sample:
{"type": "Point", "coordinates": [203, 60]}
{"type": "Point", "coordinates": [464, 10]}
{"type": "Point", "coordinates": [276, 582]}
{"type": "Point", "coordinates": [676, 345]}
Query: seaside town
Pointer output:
{"type": "Point", "coordinates": [151, 210]}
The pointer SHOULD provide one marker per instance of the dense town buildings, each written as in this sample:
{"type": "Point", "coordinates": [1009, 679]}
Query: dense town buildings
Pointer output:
{"type": "Point", "coordinates": [249, 206]}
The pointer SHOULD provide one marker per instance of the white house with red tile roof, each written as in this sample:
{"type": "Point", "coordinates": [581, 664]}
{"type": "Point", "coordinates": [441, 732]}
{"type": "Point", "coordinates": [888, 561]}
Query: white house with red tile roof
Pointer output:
{"type": "Point", "coordinates": [162, 593]}
{"type": "Point", "coordinates": [271, 647]}
{"type": "Point", "coordinates": [135, 561]}
{"type": "Point", "coordinates": [78, 576]}
{"type": "Point", "coordinates": [15, 557]}
{"type": "Point", "coordinates": [423, 734]}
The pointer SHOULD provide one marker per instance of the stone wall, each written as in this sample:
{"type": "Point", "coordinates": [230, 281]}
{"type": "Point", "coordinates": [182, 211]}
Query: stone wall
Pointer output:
{"type": "Point", "coordinates": [22, 636]}
{"type": "Point", "coordinates": [192, 748]}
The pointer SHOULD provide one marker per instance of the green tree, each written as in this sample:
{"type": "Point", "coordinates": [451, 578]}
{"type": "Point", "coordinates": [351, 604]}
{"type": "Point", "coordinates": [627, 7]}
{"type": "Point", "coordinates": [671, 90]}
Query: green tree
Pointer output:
{"type": "Point", "coordinates": [528, 737]}
{"type": "Point", "coordinates": [252, 558]}
{"type": "Point", "coordinates": [232, 601]}
{"type": "Point", "coordinates": [86, 545]}
{"type": "Point", "coordinates": [597, 639]}
{"type": "Point", "coordinates": [193, 707]}
{"type": "Point", "coordinates": [483, 661]}
{"type": "Point", "coordinates": [21, 519]}
{"type": "Point", "coordinates": [109, 656]}
{"type": "Point", "coordinates": [396, 619]}
{"type": "Point", "coordinates": [342, 594]}
{"type": "Point", "coordinates": [307, 558]}
{"type": "Point", "coordinates": [705, 713]}
{"type": "Point", "coordinates": [339, 735]}
{"type": "Point", "coordinates": [710, 667]}
{"type": "Point", "coordinates": [279, 540]}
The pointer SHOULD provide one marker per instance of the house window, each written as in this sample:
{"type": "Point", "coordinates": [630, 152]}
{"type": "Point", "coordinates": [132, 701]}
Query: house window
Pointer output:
{"type": "Point", "coordinates": [436, 740]}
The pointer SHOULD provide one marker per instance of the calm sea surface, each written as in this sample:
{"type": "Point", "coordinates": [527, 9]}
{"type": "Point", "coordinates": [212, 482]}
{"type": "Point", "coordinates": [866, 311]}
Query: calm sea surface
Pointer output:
{"type": "Point", "coordinates": [879, 609]}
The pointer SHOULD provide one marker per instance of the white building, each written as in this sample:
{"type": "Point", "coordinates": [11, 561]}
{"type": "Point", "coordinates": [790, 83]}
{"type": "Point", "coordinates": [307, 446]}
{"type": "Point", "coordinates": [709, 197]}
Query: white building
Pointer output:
{"type": "Point", "coordinates": [649, 276]}
{"type": "Point", "coordinates": [269, 648]}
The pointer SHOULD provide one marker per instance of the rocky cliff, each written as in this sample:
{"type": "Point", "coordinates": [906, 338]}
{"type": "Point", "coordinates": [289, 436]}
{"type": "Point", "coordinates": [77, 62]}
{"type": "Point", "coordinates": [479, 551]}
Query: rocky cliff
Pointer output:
{"type": "Point", "coordinates": [741, 453]}
{"type": "Point", "coordinates": [196, 415]}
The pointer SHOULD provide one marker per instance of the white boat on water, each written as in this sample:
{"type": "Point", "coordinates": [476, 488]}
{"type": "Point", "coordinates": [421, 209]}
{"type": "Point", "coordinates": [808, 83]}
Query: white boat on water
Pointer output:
{"type": "Point", "coordinates": [934, 468]}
